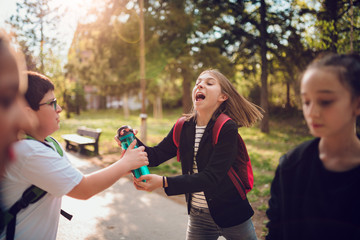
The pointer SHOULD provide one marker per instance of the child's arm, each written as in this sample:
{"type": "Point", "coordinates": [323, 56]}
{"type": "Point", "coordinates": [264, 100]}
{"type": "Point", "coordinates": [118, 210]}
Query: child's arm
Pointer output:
{"type": "Point", "coordinates": [153, 182]}
{"type": "Point", "coordinates": [98, 181]}
{"type": "Point", "coordinates": [160, 153]}
{"type": "Point", "coordinates": [219, 163]}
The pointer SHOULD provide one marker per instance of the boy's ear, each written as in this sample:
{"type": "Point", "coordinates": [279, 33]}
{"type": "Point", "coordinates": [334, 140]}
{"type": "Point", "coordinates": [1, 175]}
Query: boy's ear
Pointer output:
{"type": "Point", "coordinates": [30, 120]}
{"type": "Point", "coordinates": [28, 110]}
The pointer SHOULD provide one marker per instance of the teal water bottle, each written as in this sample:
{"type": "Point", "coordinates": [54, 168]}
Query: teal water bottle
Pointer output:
{"type": "Point", "coordinates": [126, 136]}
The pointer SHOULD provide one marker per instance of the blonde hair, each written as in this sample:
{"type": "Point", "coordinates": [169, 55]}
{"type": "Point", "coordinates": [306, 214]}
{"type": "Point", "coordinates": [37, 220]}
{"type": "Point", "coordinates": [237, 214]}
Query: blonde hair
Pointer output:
{"type": "Point", "coordinates": [240, 110]}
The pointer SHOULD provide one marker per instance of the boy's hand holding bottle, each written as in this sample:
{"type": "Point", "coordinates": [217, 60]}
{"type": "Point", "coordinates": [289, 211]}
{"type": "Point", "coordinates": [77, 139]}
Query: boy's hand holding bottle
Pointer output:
{"type": "Point", "coordinates": [125, 138]}
{"type": "Point", "coordinates": [134, 157]}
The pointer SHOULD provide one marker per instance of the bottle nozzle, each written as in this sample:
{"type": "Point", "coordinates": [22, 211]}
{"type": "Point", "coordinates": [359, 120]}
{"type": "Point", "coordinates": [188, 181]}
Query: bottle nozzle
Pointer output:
{"type": "Point", "coordinates": [124, 130]}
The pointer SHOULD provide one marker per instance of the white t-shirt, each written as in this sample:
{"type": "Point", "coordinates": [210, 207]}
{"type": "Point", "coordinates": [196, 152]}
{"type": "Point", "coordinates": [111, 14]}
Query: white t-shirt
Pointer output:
{"type": "Point", "coordinates": [39, 165]}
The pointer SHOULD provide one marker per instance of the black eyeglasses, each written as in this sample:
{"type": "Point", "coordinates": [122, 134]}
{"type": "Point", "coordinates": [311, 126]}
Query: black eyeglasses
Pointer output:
{"type": "Point", "coordinates": [50, 102]}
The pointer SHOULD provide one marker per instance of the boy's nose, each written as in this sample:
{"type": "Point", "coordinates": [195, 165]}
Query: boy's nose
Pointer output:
{"type": "Point", "coordinates": [58, 108]}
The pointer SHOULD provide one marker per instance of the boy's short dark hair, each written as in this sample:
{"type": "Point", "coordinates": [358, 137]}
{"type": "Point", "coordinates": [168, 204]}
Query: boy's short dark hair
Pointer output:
{"type": "Point", "coordinates": [38, 86]}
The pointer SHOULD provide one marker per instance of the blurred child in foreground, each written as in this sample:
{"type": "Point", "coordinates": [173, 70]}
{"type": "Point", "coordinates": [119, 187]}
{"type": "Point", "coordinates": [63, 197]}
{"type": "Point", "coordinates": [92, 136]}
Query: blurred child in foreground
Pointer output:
{"type": "Point", "coordinates": [13, 84]}
{"type": "Point", "coordinates": [315, 193]}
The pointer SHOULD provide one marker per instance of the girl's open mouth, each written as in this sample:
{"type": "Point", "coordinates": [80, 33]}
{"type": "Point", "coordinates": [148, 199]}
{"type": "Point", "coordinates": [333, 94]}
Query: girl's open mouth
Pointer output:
{"type": "Point", "coordinates": [199, 96]}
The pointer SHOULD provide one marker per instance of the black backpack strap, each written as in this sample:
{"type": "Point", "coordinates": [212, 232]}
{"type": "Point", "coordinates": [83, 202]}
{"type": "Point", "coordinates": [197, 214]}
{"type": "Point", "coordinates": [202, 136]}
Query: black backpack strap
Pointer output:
{"type": "Point", "coordinates": [61, 153]}
{"type": "Point", "coordinates": [30, 195]}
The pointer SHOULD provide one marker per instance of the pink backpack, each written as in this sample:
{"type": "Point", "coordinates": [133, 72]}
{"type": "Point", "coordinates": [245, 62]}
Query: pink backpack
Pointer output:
{"type": "Point", "coordinates": [241, 174]}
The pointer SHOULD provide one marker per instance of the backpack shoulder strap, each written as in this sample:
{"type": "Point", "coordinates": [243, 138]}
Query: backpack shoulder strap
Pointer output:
{"type": "Point", "coordinates": [52, 140]}
{"type": "Point", "coordinates": [56, 144]}
{"type": "Point", "coordinates": [220, 121]}
{"type": "Point", "coordinates": [31, 195]}
{"type": "Point", "coordinates": [176, 135]}
{"type": "Point", "coordinates": [241, 176]}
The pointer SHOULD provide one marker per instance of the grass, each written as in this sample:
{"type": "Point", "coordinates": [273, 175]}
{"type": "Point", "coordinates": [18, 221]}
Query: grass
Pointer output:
{"type": "Point", "coordinates": [110, 120]}
{"type": "Point", "coordinates": [264, 149]}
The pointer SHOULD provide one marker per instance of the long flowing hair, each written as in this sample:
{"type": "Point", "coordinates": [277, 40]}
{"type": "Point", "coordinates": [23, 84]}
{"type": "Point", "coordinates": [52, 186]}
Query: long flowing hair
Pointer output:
{"type": "Point", "coordinates": [239, 109]}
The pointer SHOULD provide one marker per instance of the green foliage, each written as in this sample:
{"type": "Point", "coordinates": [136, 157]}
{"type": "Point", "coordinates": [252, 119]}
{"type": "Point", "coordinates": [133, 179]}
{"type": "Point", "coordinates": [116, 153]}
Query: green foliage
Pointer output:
{"type": "Point", "coordinates": [182, 38]}
{"type": "Point", "coordinates": [329, 29]}
{"type": "Point", "coordinates": [34, 25]}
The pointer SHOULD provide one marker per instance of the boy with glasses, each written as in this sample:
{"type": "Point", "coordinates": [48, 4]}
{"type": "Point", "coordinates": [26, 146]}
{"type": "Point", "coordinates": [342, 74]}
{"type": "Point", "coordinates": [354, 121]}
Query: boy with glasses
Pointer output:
{"type": "Point", "coordinates": [42, 162]}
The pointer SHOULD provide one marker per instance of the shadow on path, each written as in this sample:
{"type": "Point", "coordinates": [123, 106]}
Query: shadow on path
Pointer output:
{"type": "Point", "coordinates": [121, 212]}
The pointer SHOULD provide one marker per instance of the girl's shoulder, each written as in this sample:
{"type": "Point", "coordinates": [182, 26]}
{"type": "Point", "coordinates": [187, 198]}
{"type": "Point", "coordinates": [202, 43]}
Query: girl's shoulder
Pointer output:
{"type": "Point", "coordinates": [231, 125]}
{"type": "Point", "coordinates": [224, 120]}
{"type": "Point", "coordinates": [305, 150]}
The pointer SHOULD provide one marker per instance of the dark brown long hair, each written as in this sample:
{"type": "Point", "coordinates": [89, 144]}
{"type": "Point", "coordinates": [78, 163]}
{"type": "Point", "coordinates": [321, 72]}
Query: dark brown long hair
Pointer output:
{"type": "Point", "coordinates": [345, 66]}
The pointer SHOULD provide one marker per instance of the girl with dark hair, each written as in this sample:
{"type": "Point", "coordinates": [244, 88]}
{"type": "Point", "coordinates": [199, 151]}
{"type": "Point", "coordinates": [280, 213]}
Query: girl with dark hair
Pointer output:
{"type": "Point", "coordinates": [215, 206]}
{"type": "Point", "coordinates": [315, 193]}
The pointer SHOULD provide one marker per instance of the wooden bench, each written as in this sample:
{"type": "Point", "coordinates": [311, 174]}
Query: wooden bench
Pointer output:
{"type": "Point", "coordinates": [84, 137]}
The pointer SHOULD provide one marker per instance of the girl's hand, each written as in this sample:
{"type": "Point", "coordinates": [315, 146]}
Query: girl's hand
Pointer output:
{"type": "Point", "coordinates": [118, 141]}
{"type": "Point", "coordinates": [134, 157]}
{"type": "Point", "coordinates": [153, 182]}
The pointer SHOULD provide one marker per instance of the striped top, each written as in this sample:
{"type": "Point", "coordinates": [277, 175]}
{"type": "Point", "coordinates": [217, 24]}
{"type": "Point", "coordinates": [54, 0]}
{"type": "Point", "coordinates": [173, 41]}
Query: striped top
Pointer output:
{"type": "Point", "coordinates": [198, 199]}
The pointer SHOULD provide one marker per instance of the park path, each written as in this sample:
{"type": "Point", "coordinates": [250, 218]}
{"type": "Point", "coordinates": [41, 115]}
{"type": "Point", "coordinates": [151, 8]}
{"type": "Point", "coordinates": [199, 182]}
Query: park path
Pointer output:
{"type": "Point", "coordinates": [121, 212]}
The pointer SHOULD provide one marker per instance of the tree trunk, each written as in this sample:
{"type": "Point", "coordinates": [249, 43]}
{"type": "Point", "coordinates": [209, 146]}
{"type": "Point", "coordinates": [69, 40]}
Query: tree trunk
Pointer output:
{"type": "Point", "coordinates": [159, 105]}
{"type": "Point", "coordinates": [126, 105]}
{"type": "Point", "coordinates": [157, 109]}
{"type": "Point", "coordinates": [66, 105]}
{"type": "Point", "coordinates": [102, 102]}
{"type": "Point", "coordinates": [264, 101]}
{"type": "Point", "coordinates": [42, 41]}
{"type": "Point", "coordinates": [186, 99]}
{"type": "Point", "coordinates": [351, 26]}
{"type": "Point", "coordinates": [77, 103]}
{"type": "Point", "coordinates": [288, 104]}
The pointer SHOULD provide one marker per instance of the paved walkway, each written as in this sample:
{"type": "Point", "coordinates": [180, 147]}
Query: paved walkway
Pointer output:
{"type": "Point", "coordinates": [121, 212]}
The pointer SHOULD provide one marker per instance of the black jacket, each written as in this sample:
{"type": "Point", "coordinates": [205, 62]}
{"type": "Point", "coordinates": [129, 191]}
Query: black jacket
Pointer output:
{"type": "Point", "coordinates": [225, 204]}
{"type": "Point", "coordinates": [309, 202]}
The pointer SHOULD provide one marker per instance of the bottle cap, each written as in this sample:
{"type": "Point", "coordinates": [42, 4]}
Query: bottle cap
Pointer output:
{"type": "Point", "coordinates": [124, 130]}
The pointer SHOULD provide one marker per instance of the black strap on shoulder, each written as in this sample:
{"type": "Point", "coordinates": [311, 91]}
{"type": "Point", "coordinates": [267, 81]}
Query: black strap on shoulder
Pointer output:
{"type": "Point", "coordinates": [30, 195]}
